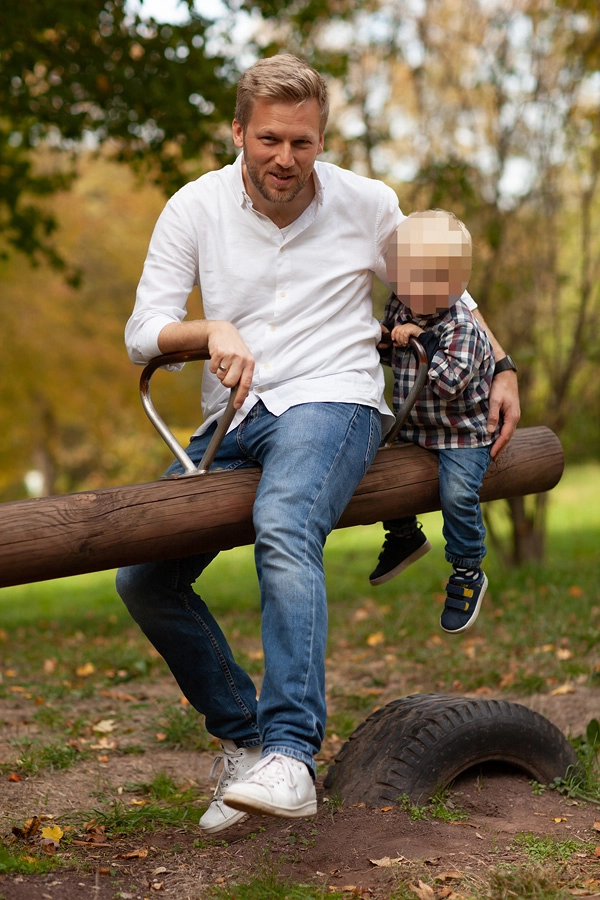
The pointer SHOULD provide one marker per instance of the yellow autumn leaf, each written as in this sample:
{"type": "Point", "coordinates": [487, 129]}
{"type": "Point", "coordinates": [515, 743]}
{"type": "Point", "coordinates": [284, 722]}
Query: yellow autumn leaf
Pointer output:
{"type": "Point", "coordinates": [563, 689]}
{"type": "Point", "coordinates": [52, 832]}
{"type": "Point", "coordinates": [376, 638]}
{"type": "Point", "coordinates": [85, 670]}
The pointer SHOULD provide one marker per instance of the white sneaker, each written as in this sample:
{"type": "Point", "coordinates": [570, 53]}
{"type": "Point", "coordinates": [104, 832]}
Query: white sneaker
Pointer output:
{"type": "Point", "coordinates": [237, 763]}
{"type": "Point", "coordinates": [278, 785]}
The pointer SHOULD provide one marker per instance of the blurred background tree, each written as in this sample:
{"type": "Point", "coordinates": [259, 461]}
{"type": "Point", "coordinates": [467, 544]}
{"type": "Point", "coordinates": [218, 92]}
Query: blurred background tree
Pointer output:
{"type": "Point", "coordinates": [490, 109]}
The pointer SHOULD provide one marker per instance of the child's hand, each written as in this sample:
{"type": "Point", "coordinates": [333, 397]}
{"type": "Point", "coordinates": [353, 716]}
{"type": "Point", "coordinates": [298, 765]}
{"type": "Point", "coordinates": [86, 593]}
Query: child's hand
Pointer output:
{"type": "Point", "coordinates": [402, 333]}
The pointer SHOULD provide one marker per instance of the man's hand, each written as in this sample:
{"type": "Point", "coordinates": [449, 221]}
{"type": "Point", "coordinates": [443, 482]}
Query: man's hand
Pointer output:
{"type": "Point", "coordinates": [230, 359]}
{"type": "Point", "coordinates": [504, 408]}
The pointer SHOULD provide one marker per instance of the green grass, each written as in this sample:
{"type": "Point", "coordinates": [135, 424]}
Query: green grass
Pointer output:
{"type": "Point", "coordinates": [547, 849]}
{"type": "Point", "coordinates": [22, 863]}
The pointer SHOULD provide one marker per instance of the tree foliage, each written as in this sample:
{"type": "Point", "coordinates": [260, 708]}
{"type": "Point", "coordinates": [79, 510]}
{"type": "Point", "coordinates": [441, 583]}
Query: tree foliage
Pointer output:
{"type": "Point", "coordinates": [74, 71]}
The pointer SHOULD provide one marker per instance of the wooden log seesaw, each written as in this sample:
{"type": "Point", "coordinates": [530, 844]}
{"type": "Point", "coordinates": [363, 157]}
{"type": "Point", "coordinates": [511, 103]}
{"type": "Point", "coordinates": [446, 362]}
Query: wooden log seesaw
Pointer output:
{"type": "Point", "coordinates": [70, 534]}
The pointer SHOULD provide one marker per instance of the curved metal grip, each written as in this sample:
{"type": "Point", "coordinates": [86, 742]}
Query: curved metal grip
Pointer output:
{"type": "Point", "coordinates": [189, 467]}
{"type": "Point", "coordinates": [414, 392]}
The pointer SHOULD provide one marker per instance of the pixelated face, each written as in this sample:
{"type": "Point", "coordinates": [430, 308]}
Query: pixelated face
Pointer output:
{"type": "Point", "coordinates": [428, 265]}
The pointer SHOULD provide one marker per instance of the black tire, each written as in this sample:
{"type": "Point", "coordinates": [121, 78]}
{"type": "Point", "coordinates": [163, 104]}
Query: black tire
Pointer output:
{"type": "Point", "coordinates": [417, 745]}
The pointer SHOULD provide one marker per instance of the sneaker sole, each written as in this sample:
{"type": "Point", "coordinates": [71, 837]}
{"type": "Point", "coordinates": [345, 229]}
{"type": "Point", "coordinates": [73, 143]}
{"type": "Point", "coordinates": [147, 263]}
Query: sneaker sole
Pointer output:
{"type": "Point", "coordinates": [423, 549]}
{"type": "Point", "coordinates": [264, 808]}
{"type": "Point", "coordinates": [235, 819]}
{"type": "Point", "coordinates": [473, 618]}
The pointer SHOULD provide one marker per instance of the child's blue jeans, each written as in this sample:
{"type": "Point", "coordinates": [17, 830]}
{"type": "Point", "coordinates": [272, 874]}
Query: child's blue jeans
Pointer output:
{"type": "Point", "coordinates": [461, 472]}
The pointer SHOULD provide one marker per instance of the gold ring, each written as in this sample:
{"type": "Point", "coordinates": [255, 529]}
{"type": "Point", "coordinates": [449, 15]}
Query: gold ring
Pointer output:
{"type": "Point", "coordinates": [222, 368]}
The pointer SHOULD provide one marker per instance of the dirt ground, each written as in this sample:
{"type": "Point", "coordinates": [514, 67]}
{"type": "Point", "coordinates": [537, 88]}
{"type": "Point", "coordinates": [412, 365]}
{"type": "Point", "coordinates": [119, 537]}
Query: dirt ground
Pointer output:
{"type": "Point", "coordinates": [360, 851]}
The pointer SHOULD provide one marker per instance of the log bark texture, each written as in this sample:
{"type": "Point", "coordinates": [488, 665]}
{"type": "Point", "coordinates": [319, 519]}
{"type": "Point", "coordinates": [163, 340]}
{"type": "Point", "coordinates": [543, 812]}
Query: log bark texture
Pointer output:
{"type": "Point", "coordinates": [70, 534]}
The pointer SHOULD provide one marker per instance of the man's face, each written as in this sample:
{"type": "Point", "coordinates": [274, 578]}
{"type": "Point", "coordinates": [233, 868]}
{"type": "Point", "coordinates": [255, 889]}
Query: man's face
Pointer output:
{"type": "Point", "coordinates": [280, 146]}
{"type": "Point", "coordinates": [426, 266]}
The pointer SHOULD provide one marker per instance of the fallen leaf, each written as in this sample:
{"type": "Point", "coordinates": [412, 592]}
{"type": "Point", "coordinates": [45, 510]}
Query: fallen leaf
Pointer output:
{"type": "Point", "coordinates": [119, 695]}
{"type": "Point", "coordinates": [386, 808]}
{"type": "Point", "coordinates": [374, 639]}
{"type": "Point", "coordinates": [105, 743]}
{"type": "Point", "coordinates": [52, 832]}
{"type": "Point", "coordinates": [85, 670]}
{"type": "Point", "coordinates": [563, 689]}
{"type": "Point", "coordinates": [142, 853]}
{"type": "Point", "coordinates": [14, 777]}
{"type": "Point", "coordinates": [575, 591]}
{"type": "Point", "coordinates": [49, 666]}
{"type": "Point", "coordinates": [94, 836]}
{"type": "Point", "coordinates": [448, 876]}
{"type": "Point", "coordinates": [49, 846]}
{"type": "Point", "coordinates": [29, 829]}
{"type": "Point", "coordinates": [105, 726]}
{"type": "Point", "coordinates": [160, 736]}
{"type": "Point", "coordinates": [387, 861]}
{"type": "Point", "coordinates": [559, 819]}
{"type": "Point", "coordinates": [157, 885]}
{"type": "Point", "coordinates": [596, 825]}
{"type": "Point", "coordinates": [423, 891]}
{"type": "Point", "coordinates": [597, 852]}
{"type": "Point", "coordinates": [563, 653]}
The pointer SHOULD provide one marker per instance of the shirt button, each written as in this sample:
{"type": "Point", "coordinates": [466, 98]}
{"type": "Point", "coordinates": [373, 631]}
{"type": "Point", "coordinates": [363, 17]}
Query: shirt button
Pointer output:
{"type": "Point", "coordinates": [273, 328]}
{"type": "Point", "coordinates": [282, 293]}
{"type": "Point", "coordinates": [266, 366]}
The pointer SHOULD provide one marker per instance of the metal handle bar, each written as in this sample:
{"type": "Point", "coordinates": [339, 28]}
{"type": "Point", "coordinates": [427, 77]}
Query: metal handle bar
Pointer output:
{"type": "Point", "coordinates": [166, 434]}
{"type": "Point", "coordinates": [414, 392]}
{"type": "Point", "coordinates": [182, 356]}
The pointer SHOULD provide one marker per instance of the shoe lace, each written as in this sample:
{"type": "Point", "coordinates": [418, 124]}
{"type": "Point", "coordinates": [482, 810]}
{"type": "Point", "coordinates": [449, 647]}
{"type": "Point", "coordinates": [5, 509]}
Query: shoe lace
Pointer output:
{"type": "Point", "coordinates": [230, 763]}
{"type": "Point", "coordinates": [274, 770]}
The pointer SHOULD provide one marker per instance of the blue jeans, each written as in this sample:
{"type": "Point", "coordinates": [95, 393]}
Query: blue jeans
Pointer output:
{"type": "Point", "coordinates": [312, 457]}
{"type": "Point", "coordinates": [461, 472]}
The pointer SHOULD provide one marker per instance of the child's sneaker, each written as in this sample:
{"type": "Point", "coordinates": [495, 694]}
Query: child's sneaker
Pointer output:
{"type": "Point", "coordinates": [397, 554]}
{"type": "Point", "coordinates": [464, 592]}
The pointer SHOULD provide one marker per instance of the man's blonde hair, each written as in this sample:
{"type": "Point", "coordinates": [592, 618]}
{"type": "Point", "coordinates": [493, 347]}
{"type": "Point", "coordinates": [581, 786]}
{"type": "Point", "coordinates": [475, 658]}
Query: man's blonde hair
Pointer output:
{"type": "Point", "coordinates": [284, 79]}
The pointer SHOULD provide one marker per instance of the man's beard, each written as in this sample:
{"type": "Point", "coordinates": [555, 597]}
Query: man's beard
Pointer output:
{"type": "Point", "coordinates": [284, 195]}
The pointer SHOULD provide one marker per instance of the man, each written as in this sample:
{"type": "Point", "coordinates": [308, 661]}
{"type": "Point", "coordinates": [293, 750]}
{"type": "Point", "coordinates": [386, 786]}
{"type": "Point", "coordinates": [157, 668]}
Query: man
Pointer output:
{"type": "Point", "coordinates": [284, 250]}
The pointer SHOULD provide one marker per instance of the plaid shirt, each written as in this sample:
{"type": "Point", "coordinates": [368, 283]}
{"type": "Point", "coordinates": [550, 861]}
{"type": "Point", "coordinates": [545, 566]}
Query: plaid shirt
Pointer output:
{"type": "Point", "coordinates": [451, 411]}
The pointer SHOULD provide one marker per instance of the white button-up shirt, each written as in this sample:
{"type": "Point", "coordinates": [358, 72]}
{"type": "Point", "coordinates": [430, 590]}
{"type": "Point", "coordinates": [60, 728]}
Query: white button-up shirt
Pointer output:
{"type": "Point", "coordinates": [299, 296]}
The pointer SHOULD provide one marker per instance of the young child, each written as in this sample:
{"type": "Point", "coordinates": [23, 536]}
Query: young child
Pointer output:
{"type": "Point", "coordinates": [429, 265]}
